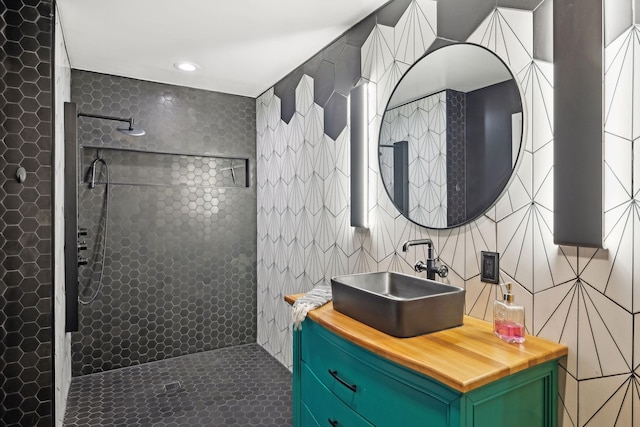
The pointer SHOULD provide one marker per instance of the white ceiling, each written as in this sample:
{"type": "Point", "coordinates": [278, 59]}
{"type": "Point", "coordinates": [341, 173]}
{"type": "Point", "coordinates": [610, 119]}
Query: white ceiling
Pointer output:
{"type": "Point", "coordinates": [461, 67]}
{"type": "Point", "coordinates": [242, 47]}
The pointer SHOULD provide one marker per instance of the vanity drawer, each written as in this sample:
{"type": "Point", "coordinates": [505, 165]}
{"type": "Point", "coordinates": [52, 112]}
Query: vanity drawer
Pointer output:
{"type": "Point", "coordinates": [366, 383]}
{"type": "Point", "coordinates": [322, 408]}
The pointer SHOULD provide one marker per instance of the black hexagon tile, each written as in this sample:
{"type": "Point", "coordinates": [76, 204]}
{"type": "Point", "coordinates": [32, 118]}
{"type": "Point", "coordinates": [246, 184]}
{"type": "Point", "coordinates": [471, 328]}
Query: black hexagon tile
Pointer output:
{"type": "Point", "coordinates": [237, 386]}
{"type": "Point", "coordinates": [179, 271]}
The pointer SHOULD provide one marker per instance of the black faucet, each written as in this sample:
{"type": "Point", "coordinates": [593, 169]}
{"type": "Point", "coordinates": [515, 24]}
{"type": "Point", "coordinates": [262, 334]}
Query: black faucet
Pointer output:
{"type": "Point", "coordinates": [430, 266]}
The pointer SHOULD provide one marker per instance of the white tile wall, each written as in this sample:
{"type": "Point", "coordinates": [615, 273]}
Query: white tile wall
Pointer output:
{"type": "Point", "coordinates": [423, 124]}
{"type": "Point", "coordinates": [587, 299]}
{"type": "Point", "coordinates": [62, 356]}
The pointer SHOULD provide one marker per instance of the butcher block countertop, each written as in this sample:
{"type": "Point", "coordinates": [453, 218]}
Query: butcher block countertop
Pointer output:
{"type": "Point", "coordinates": [464, 358]}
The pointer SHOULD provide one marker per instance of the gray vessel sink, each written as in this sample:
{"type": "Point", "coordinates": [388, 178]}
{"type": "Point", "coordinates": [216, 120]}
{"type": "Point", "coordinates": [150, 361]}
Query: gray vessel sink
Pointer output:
{"type": "Point", "coordinates": [398, 304]}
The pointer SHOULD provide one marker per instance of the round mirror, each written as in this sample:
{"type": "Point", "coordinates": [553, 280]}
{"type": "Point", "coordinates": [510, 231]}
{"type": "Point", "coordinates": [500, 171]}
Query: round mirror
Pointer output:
{"type": "Point", "coordinates": [450, 136]}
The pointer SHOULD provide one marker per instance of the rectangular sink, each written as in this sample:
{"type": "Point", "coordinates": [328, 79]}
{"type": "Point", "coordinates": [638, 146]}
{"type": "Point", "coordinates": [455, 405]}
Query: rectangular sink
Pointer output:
{"type": "Point", "coordinates": [398, 304]}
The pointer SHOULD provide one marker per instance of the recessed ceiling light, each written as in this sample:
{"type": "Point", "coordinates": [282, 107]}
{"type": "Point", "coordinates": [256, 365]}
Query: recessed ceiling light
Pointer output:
{"type": "Point", "coordinates": [185, 66]}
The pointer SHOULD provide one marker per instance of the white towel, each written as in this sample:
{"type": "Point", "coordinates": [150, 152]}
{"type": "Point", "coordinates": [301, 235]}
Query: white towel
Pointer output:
{"type": "Point", "coordinates": [316, 297]}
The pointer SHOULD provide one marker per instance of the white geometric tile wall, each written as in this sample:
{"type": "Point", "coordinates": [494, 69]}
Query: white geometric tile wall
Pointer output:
{"type": "Point", "coordinates": [423, 124]}
{"type": "Point", "coordinates": [587, 299]}
{"type": "Point", "coordinates": [610, 279]}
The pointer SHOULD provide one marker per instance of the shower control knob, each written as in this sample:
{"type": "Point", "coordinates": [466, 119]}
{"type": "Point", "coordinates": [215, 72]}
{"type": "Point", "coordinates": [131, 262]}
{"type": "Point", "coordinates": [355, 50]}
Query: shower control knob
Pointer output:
{"type": "Point", "coordinates": [82, 231]}
{"type": "Point", "coordinates": [82, 261]}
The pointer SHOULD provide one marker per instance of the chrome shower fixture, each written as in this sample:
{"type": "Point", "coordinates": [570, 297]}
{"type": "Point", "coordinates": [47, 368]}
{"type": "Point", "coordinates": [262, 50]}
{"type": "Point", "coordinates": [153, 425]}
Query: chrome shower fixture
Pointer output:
{"type": "Point", "coordinates": [92, 171]}
{"type": "Point", "coordinates": [130, 130]}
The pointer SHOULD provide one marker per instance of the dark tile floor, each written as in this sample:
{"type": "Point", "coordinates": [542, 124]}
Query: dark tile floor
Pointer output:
{"type": "Point", "coordinates": [236, 386]}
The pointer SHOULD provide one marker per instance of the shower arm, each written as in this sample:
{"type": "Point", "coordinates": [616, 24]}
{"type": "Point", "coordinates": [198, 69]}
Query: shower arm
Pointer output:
{"type": "Point", "coordinates": [101, 116]}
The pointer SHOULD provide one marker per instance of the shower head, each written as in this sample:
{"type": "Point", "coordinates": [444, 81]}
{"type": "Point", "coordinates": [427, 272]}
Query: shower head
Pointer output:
{"type": "Point", "coordinates": [129, 130]}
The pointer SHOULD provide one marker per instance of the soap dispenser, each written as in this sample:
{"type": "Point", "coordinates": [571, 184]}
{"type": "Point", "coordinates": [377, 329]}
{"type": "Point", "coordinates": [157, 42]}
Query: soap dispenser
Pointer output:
{"type": "Point", "coordinates": [508, 317]}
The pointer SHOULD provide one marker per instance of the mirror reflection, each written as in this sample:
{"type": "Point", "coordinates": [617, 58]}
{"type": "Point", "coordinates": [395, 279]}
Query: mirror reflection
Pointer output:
{"type": "Point", "coordinates": [450, 136]}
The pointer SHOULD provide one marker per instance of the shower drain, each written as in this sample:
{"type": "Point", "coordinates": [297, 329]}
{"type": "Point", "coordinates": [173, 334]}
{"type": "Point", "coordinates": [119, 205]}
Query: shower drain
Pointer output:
{"type": "Point", "coordinates": [174, 386]}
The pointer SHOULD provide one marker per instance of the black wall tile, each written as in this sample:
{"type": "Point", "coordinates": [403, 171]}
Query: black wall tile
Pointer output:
{"type": "Point", "coordinates": [324, 82]}
{"type": "Point", "coordinates": [359, 33]}
{"type": "Point", "coordinates": [390, 14]}
{"type": "Point", "coordinates": [180, 267]}
{"type": "Point", "coordinates": [335, 115]}
{"type": "Point", "coordinates": [311, 66]}
{"type": "Point", "coordinates": [285, 89]}
{"type": "Point", "coordinates": [457, 19]}
{"type": "Point", "coordinates": [347, 69]}
{"type": "Point", "coordinates": [332, 52]}
{"type": "Point", "coordinates": [25, 217]}
{"type": "Point", "coordinates": [456, 167]}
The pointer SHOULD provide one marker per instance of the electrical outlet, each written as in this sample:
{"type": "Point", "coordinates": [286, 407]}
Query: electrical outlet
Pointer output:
{"type": "Point", "coordinates": [490, 272]}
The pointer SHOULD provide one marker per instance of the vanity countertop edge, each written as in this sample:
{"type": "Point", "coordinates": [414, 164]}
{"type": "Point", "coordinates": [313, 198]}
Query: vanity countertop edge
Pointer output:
{"type": "Point", "coordinates": [464, 358]}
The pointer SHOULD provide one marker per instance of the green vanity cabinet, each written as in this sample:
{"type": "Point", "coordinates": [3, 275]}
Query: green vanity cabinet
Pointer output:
{"type": "Point", "coordinates": [338, 383]}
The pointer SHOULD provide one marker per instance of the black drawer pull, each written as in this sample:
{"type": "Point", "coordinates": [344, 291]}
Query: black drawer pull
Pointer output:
{"type": "Point", "coordinates": [334, 374]}
{"type": "Point", "coordinates": [334, 423]}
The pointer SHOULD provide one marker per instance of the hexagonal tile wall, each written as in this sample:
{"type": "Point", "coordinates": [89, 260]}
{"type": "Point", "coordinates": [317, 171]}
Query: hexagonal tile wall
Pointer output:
{"type": "Point", "coordinates": [26, 214]}
{"type": "Point", "coordinates": [456, 161]}
{"type": "Point", "coordinates": [179, 273]}
{"type": "Point", "coordinates": [422, 123]}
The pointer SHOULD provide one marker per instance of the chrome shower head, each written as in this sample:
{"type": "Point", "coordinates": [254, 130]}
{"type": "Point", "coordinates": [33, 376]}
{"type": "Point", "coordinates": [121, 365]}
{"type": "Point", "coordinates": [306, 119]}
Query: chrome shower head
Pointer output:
{"type": "Point", "coordinates": [131, 131]}
{"type": "Point", "coordinates": [128, 130]}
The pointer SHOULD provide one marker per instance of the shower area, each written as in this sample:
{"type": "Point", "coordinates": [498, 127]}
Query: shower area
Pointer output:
{"type": "Point", "coordinates": [166, 221]}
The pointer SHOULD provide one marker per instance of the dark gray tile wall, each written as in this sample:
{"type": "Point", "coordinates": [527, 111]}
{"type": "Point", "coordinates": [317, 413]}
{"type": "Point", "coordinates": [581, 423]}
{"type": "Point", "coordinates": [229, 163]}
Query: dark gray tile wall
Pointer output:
{"type": "Point", "coordinates": [25, 214]}
{"type": "Point", "coordinates": [457, 19]}
{"type": "Point", "coordinates": [179, 275]}
{"type": "Point", "coordinates": [164, 169]}
{"type": "Point", "coordinates": [488, 125]}
{"type": "Point", "coordinates": [392, 12]}
{"type": "Point", "coordinates": [456, 158]}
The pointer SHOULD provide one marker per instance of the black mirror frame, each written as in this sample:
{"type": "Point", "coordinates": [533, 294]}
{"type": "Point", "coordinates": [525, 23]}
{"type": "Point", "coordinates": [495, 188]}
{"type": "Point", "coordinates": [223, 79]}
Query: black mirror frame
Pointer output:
{"type": "Point", "coordinates": [437, 45]}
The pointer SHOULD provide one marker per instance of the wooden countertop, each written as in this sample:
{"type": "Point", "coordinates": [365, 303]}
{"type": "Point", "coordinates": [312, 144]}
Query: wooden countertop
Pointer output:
{"type": "Point", "coordinates": [464, 358]}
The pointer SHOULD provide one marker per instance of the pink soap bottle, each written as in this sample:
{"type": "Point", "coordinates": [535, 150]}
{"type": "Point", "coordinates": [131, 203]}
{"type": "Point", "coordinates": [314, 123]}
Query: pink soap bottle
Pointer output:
{"type": "Point", "coordinates": [508, 317]}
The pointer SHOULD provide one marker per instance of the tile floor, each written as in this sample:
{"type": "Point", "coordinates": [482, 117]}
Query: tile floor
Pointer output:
{"type": "Point", "coordinates": [236, 386]}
